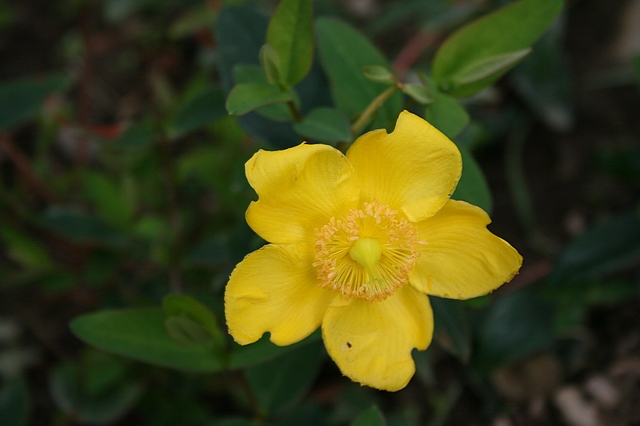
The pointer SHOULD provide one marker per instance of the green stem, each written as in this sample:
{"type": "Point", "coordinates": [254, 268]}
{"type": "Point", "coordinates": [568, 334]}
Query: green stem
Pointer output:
{"type": "Point", "coordinates": [294, 112]}
{"type": "Point", "coordinates": [372, 108]}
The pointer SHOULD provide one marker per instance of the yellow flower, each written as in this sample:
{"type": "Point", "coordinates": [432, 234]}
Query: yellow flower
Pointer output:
{"type": "Point", "coordinates": [357, 242]}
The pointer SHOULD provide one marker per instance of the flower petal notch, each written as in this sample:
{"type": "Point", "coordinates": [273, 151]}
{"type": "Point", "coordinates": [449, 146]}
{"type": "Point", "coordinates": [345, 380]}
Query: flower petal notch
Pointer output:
{"type": "Point", "coordinates": [356, 243]}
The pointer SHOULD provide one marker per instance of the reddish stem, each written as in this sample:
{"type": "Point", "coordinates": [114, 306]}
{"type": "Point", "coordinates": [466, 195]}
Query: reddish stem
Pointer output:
{"type": "Point", "coordinates": [412, 51]}
{"type": "Point", "coordinates": [24, 168]}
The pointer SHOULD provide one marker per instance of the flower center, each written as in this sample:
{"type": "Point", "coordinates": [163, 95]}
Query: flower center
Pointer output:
{"type": "Point", "coordinates": [368, 254]}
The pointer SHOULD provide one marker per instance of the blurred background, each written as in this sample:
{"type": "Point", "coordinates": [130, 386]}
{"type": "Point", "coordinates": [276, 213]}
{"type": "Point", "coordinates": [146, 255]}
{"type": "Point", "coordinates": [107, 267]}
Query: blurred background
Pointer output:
{"type": "Point", "coordinates": [122, 181]}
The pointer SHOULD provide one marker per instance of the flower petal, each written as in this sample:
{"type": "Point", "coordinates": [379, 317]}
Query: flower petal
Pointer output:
{"type": "Point", "coordinates": [462, 258]}
{"type": "Point", "coordinates": [299, 189]}
{"type": "Point", "coordinates": [274, 289]}
{"type": "Point", "coordinates": [414, 169]}
{"type": "Point", "coordinates": [371, 342]}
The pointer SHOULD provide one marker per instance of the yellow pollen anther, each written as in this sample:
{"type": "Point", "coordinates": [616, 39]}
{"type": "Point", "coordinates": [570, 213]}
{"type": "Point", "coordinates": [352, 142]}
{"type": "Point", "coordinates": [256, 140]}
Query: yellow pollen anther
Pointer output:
{"type": "Point", "coordinates": [368, 254]}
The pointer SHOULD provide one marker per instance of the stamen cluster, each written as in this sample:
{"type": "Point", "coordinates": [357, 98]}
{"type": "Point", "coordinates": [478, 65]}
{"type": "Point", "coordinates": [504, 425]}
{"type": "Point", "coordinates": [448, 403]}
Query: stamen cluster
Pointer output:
{"type": "Point", "coordinates": [338, 271]}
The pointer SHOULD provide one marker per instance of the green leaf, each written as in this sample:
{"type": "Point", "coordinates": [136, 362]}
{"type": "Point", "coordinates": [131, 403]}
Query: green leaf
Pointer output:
{"type": "Point", "coordinates": [447, 115]}
{"type": "Point", "coordinates": [187, 332]}
{"type": "Point", "coordinates": [372, 416]}
{"type": "Point", "coordinates": [270, 62]}
{"type": "Point", "coordinates": [141, 334]}
{"type": "Point", "coordinates": [208, 253]}
{"type": "Point", "coordinates": [290, 33]}
{"type": "Point", "coordinates": [452, 330]}
{"type": "Point", "coordinates": [418, 93]}
{"type": "Point", "coordinates": [244, 73]}
{"type": "Point", "coordinates": [344, 52]}
{"type": "Point", "coordinates": [137, 136]}
{"type": "Point", "coordinates": [193, 20]}
{"type": "Point", "coordinates": [24, 249]}
{"type": "Point", "coordinates": [14, 402]}
{"type": "Point", "coordinates": [200, 110]}
{"type": "Point", "coordinates": [183, 306]}
{"type": "Point", "coordinates": [275, 387]}
{"type": "Point", "coordinates": [263, 350]}
{"type": "Point", "coordinates": [254, 74]}
{"type": "Point", "coordinates": [95, 391]}
{"type": "Point", "coordinates": [510, 29]}
{"type": "Point", "coordinates": [473, 187]}
{"type": "Point", "coordinates": [246, 97]}
{"type": "Point", "coordinates": [240, 33]}
{"type": "Point", "coordinates": [488, 68]}
{"type": "Point", "coordinates": [307, 413]}
{"type": "Point", "coordinates": [378, 74]}
{"type": "Point", "coordinates": [515, 326]}
{"type": "Point", "coordinates": [608, 247]}
{"type": "Point", "coordinates": [543, 80]}
{"type": "Point", "coordinates": [110, 201]}
{"type": "Point", "coordinates": [81, 227]}
{"type": "Point", "coordinates": [21, 100]}
{"type": "Point", "coordinates": [324, 124]}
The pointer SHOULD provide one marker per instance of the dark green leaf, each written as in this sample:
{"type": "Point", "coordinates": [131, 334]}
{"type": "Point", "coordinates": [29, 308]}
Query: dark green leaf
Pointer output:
{"type": "Point", "coordinates": [110, 201]}
{"type": "Point", "coordinates": [95, 391]}
{"type": "Point", "coordinates": [209, 253]}
{"type": "Point", "coordinates": [138, 135]}
{"type": "Point", "coordinates": [240, 32]}
{"type": "Point", "coordinates": [199, 111]}
{"type": "Point", "coordinates": [452, 330]}
{"type": "Point", "coordinates": [81, 227]}
{"type": "Point", "coordinates": [372, 416]}
{"type": "Point", "coordinates": [514, 327]}
{"type": "Point", "coordinates": [324, 124]}
{"type": "Point", "coordinates": [344, 52]}
{"type": "Point", "coordinates": [622, 163]}
{"type": "Point", "coordinates": [21, 100]}
{"type": "Point", "coordinates": [263, 350]}
{"type": "Point", "coordinates": [240, 35]}
{"type": "Point", "coordinates": [544, 82]}
{"type": "Point", "coordinates": [603, 249]}
{"type": "Point", "coordinates": [273, 383]}
{"type": "Point", "coordinates": [234, 422]}
{"type": "Point", "coordinates": [141, 334]}
{"type": "Point", "coordinates": [307, 413]}
{"type": "Point", "coordinates": [447, 115]}
{"type": "Point", "coordinates": [24, 249]}
{"type": "Point", "coordinates": [511, 29]}
{"type": "Point", "coordinates": [246, 97]}
{"type": "Point", "coordinates": [183, 306]}
{"type": "Point", "coordinates": [187, 332]}
{"type": "Point", "coordinates": [195, 19]}
{"type": "Point", "coordinates": [14, 402]}
{"type": "Point", "coordinates": [472, 186]}
{"type": "Point", "coordinates": [290, 33]}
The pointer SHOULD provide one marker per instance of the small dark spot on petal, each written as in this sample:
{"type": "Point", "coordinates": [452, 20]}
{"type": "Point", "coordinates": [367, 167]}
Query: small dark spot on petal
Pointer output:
{"type": "Point", "coordinates": [349, 344]}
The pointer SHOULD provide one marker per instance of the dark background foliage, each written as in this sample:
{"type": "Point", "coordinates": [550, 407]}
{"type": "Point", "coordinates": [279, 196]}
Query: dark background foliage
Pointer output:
{"type": "Point", "coordinates": [122, 181]}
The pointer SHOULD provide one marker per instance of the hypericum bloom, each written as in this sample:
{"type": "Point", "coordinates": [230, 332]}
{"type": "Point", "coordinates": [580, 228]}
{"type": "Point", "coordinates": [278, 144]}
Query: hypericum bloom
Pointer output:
{"type": "Point", "coordinates": [357, 242]}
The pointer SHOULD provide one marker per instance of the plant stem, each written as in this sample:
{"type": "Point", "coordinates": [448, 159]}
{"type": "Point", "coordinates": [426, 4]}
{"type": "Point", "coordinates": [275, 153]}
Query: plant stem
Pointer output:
{"type": "Point", "coordinates": [23, 166]}
{"type": "Point", "coordinates": [372, 108]}
{"type": "Point", "coordinates": [294, 112]}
